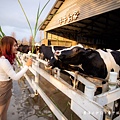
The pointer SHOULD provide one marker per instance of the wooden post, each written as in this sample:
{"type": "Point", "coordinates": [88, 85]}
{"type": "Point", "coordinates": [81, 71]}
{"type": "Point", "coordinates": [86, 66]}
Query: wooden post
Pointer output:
{"type": "Point", "coordinates": [37, 76]}
{"type": "Point", "coordinates": [112, 85]}
{"type": "Point", "coordinates": [56, 73]}
{"type": "Point", "coordinates": [90, 91]}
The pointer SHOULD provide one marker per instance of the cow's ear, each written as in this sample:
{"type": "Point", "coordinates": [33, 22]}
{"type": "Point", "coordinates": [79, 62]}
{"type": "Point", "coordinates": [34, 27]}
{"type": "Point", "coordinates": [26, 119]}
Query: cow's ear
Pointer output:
{"type": "Point", "coordinates": [88, 52]}
{"type": "Point", "coordinates": [76, 49]}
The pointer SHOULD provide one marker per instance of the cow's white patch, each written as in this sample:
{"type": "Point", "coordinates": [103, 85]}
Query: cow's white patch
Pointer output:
{"type": "Point", "coordinates": [58, 52]}
{"type": "Point", "coordinates": [80, 66]}
{"type": "Point", "coordinates": [53, 49]}
{"type": "Point", "coordinates": [109, 61]}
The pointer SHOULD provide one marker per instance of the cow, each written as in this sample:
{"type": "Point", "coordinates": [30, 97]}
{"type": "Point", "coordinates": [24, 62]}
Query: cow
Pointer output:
{"type": "Point", "coordinates": [47, 52]}
{"type": "Point", "coordinates": [23, 48]}
{"type": "Point", "coordinates": [26, 48]}
{"type": "Point", "coordinates": [97, 63]}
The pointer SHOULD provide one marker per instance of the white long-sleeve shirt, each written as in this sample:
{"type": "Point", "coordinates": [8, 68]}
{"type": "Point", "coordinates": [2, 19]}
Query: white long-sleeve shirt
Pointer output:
{"type": "Point", "coordinates": [7, 72]}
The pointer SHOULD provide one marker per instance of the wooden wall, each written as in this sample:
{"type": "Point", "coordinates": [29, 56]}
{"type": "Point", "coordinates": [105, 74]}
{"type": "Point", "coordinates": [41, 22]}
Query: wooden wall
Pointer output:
{"type": "Point", "coordinates": [59, 38]}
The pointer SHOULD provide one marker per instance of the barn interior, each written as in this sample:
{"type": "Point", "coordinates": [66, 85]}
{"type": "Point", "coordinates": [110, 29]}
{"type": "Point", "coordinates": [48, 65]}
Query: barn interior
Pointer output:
{"type": "Point", "coordinates": [100, 31]}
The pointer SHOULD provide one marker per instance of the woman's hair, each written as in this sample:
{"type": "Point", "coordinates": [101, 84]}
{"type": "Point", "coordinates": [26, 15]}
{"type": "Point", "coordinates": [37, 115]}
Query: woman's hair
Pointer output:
{"type": "Point", "coordinates": [6, 44]}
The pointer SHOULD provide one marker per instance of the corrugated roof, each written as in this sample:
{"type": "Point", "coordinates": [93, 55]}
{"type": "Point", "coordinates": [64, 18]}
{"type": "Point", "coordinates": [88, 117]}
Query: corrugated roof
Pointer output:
{"type": "Point", "coordinates": [55, 8]}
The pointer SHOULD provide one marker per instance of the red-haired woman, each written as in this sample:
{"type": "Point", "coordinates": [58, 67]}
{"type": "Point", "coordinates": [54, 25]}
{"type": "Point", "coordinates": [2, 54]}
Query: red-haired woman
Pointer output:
{"type": "Point", "coordinates": [8, 49]}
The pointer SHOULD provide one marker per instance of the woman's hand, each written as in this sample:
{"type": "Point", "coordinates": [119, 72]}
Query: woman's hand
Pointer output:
{"type": "Point", "coordinates": [29, 62]}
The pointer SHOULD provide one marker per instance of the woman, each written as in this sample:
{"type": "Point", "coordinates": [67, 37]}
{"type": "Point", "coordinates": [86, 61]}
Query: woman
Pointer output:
{"type": "Point", "coordinates": [8, 49]}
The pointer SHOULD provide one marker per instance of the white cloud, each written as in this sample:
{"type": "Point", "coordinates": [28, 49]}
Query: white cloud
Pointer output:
{"type": "Point", "coordinates": [12, 18]}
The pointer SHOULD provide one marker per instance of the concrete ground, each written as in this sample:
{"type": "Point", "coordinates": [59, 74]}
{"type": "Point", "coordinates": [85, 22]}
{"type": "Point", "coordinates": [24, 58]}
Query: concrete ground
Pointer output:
{"type": "Point", "coordinates": [25, 105]}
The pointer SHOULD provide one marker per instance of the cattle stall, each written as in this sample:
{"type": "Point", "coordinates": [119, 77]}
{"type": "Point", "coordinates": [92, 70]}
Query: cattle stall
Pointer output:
{"type": "Point", "coordinates": [93, 23]}
{"type": "Point", "coordinates": [85, 104]}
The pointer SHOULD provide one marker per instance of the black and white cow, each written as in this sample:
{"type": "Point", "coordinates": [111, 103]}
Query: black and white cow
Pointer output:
{"type": "Point", "coordinates": [23, 48]}
{"type": "Point", "coordinates": [47, 52]}
{"type": "Point", "coordinates": [26, 48]}
{"type": "Point", "coordinates": [97, 63]}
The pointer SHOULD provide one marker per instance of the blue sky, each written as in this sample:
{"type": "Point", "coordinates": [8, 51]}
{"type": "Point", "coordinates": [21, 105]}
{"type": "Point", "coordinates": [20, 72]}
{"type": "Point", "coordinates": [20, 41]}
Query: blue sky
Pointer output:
{"type": "Point", "coordinates": [12, 18]}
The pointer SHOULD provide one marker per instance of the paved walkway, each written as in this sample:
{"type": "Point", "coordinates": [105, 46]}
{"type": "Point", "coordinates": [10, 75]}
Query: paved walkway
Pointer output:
{"type": "Point", "coordinates": [25, 106]}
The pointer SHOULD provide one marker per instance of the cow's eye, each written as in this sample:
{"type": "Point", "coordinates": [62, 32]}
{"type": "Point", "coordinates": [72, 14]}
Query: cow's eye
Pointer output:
{"type": "Point", "coordinates": [57, 52]}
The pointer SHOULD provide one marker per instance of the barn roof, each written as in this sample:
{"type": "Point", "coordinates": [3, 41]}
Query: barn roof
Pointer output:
{"type": "Point", "coordinates": [96, 26]}
{"type": "Point", "coordinates": [55, 8]}
{"type": "Point", "coordinates": [101, 28]}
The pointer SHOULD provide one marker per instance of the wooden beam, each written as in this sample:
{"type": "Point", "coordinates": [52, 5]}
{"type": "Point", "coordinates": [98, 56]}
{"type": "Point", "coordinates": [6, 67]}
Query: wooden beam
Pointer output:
{"type": "Point", "coordinates": [108, 97]}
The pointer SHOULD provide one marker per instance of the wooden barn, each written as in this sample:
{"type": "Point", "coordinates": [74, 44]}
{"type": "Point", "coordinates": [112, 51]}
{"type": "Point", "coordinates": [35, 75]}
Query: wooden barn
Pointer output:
{"type": "Point", "coordinates": [94, 23]}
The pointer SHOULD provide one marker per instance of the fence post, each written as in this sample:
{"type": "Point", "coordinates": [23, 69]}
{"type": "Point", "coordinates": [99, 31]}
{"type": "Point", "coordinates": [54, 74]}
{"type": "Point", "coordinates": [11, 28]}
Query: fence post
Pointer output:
{"type": "Point", "coordinates": [57, 73]}
{"type": "Point", "coordinates": [90, 91]}
{"type": "Point", "coordinates": [37, 76]}
{"type": "Point", "coordinates": [112, 85]}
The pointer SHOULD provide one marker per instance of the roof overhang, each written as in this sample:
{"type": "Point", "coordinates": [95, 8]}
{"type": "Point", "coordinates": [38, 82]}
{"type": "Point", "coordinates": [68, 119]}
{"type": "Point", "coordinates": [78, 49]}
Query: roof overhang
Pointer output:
{"type": "Point", "coordinates": [55, 8]}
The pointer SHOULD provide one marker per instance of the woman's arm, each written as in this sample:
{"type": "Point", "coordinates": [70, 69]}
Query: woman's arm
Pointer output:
{"type": "Point", "coordinates": [7, 67]}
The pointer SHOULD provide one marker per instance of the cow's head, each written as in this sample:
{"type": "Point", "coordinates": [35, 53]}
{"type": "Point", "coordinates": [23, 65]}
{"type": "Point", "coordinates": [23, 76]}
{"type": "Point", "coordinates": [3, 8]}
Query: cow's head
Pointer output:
{"type": "Point", "coordinates": [67, 56]}
{"type": "Point", "coordinates": [53, 62]}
